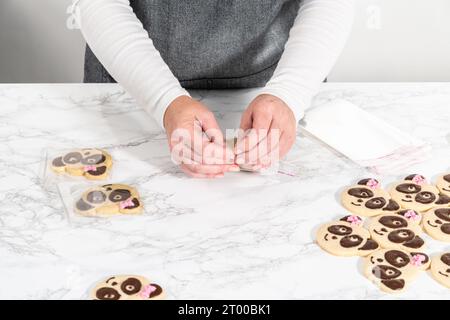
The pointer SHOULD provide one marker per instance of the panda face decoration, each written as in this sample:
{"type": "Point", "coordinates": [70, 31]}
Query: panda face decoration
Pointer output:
{"type": "Point", "coordinates": [367, 198]}
{"type": "Point", "coordinates": [392, 270]}
{"type": "Point", "coordinates": [345, 238]}
{"type": "Point", "coordinates": [92, 164]}
{"type": "Point", "coordinates": [126, 287]}
{"type": "Point", "coordinates": [416, 194]}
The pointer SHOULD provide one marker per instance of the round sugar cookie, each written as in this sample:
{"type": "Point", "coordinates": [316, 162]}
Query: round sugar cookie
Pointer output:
{"type": "Point", "coordinates": [345, 237]}
{"type": "Point", "coordinates": [126, 287]}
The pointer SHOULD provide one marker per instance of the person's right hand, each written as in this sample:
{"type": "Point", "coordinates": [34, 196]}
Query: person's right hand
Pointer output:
{"type": "Point", "coordinates": [196, 141]}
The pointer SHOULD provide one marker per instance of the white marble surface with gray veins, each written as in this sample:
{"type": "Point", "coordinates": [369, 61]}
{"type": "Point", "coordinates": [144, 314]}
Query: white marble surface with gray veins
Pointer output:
{"type": "Point", "coordinates": [243, 236]}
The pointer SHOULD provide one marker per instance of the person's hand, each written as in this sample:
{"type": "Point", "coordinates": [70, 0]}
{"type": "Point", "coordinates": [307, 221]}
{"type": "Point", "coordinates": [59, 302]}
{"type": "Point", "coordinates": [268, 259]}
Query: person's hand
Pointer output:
{"type": "Point", "coordinates": [268, 132]}
{"type": "Point", "coordinates": [196, 141]}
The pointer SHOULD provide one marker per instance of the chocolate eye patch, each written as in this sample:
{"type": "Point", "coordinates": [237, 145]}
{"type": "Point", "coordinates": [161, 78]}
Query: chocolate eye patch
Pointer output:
{"type": "Point", "coordinates": [107, 294]}
{"type": "Point", "coordinates": [57, 162]}
{"type": "Point", "coordinates": [443, 214]}
{"type": "Point", "coordinates": [400, 236]}
{"type": "Point", "coordinates": [446, 258]}
{"type": "Point", "coordinates": [360, 193]}
{"type": "Point", "coordinates": [445, 228]}
{"type": "Point", "coordinates": [376, 203]}
{"type": "Point", "coordinates": [393, 222]}
{"type": "Point", "coordinates": [397, 258]}
{"type": "Point", "coordinates": [425, 197]}
{"type": "Point", "coordinates": [131, 286]}
{"type": "Point", "coordinates": [385, 272]}
{"type": "Point", "coordinates": [94, 159]}
{"type": "Point", "coordinates": [340, 230]}
{"type": "Point", "coordinates": [351, 241]}
{"type": "Point", "coordinates": [72, 158]}
{"type": "Point", "coordinates": [119, 195]}
{"type": "Point", "coordinates": [96, 197]}
{"type": "Point", "coordinates": [408, 188]}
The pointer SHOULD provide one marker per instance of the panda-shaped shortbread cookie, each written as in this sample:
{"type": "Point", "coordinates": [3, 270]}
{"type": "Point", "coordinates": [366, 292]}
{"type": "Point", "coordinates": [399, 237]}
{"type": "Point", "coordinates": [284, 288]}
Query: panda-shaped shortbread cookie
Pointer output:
{"type": "Point", "coordinates": [393, 231]}
{"type": "Point", "coordinates": [345, 237]}
{"type": "Point", "coordinates": [440, 269]}
{"type": "Point", "coordinates": [392, 270]}
{"type": "Point", "coordinates": [126, 287]}
{"type": "Point", "coordinates": [443, 184]}
{"type": "Point", "coordinates": [436, 222]}
{"type": "Point", "coordinates": [109, 200]}
{"type": "Point", "coordinates": [367, 198]}
{"type": "Point", "coordinates": [415, 193]}
{"type": "Point", "coordinates": [93, 164]}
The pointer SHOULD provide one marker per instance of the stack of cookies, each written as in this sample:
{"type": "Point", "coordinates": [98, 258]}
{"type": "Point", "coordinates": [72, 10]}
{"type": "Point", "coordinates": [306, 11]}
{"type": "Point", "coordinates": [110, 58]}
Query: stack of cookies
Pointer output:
{"type": "Point", "coordinates": [390, 240]}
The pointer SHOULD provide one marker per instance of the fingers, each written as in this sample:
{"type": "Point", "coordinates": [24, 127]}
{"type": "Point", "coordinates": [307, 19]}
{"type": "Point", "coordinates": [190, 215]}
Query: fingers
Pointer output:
{"type": "Point", "coordinates": [260, 126]}
{"type": "Point", "coordinates": [207, 171]}
{"type": "Point", "coordinates": [197, 175]}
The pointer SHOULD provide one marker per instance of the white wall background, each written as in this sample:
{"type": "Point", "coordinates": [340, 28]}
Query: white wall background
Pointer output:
{"type": "Point", "coordinates": [392, 40]}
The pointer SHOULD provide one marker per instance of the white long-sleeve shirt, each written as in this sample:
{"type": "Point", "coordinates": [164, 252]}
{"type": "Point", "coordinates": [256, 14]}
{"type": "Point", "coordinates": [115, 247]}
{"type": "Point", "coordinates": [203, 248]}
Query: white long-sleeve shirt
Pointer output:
{"type": "Point", "coordinates": [118, 39]}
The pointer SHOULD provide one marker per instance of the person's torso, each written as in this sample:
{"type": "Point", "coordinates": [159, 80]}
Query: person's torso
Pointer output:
{"type": "Point", "coordinates": [218, 43]}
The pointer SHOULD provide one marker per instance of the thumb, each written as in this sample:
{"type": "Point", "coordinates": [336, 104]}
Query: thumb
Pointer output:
{"type": "Point", "coordinates": [211, 128]}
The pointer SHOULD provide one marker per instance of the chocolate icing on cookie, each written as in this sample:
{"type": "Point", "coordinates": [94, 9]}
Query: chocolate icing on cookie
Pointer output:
{"type": "Point", "coordinates": [107, 294]}
{"type": "Point", "coordinates": [119, 195]}
{"type": "Point", "coordinates": [109, 200]}
{"type": "Point", "coordinates": [412, 176]}
{"type": "Point", "coordinates": [90, 163]}
{"type": "Point", "coordinates": [396, 232]}
{"type": "Point", "coordinates": [83, 206]}
{"type": "Point", "coordinates": [340, 230]}
{"type": "Point", "coordinates": [98, 171]}
{"type": "Point", "coordinates": [367, 198]}
{"type": "Point", "coordinates": [408, 188]}
{"type": "Point", "coordinates": [57, 162]}
{"type": "Point", "coordinates": [360, 192]}
{"type": "Point", "coordinates": [351, 241]}
{"type": "Point", "coordinates": [392, 206]}
{"type": "Point", "coordinates": [393, 269]}
{"type": "Point", "coordinates": [131, 286]}
{"type": "Point", "coordinates": [445, 258]}
{"type": "Point", "coordinates": [397, 258]}
{"type": "Point", "coordinates": [396, 284]}
{"type": "Point", "coordinates": [415, 193]}
{"type": "Point", "coordinates": [364, 182]}
{"type": "Point", "coordinates": [346, 237]}
{"type": "Point", "coordinates": [124, 287]}
{"type": "Point", "coordinates": [443, 199]}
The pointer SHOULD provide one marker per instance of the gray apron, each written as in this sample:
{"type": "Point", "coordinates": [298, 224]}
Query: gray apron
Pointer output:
{"type": "Point", "coordinates": [213, 44]}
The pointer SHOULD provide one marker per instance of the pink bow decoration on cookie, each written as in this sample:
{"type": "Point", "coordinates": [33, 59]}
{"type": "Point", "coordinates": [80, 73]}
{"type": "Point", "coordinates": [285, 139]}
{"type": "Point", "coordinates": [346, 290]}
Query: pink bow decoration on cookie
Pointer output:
{"type": "Point", "coordinates": [417, 260]}
{"type": "Point", "coordinates": [90, 168]}
{"type": "Point", "coordinates": [373, 184]}
{"type": "Point", "coordinates": [147, 291]}
{"type": "Point", "coordinates": [126, 204]}
{"type": "Point", "coordinates": [411, 215]}
{"type": "Point", "coordinates": [354, 220]}
{"type": "Point", "coordinates": [418, 179]}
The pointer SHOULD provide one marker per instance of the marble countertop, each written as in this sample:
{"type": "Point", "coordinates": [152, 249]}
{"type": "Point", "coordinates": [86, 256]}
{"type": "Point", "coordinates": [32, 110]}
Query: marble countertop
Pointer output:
{"type": "Point", "coordinates": [241, 237]}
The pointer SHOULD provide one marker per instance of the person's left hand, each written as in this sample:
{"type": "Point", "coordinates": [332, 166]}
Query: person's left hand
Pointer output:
{"type": "Point", "coordinates": [269, 128]}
